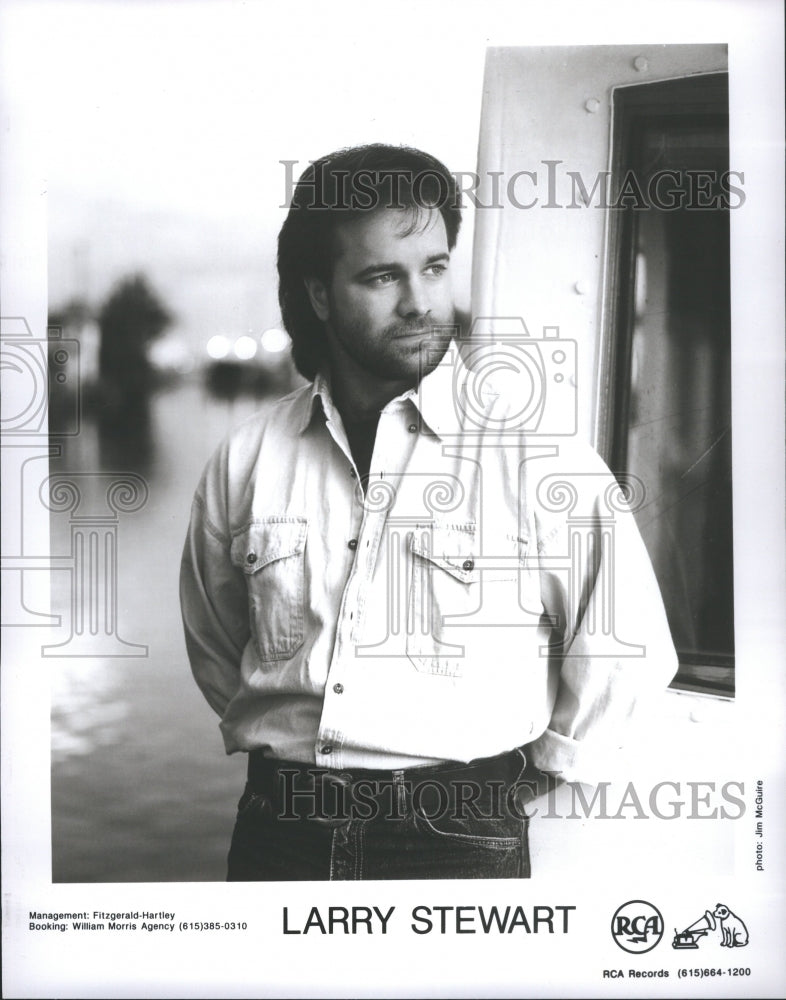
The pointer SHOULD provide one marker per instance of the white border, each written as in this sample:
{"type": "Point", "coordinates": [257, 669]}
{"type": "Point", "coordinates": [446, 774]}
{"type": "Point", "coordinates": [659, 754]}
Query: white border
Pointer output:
{"type": "Point", "coordinates": [265, 963]}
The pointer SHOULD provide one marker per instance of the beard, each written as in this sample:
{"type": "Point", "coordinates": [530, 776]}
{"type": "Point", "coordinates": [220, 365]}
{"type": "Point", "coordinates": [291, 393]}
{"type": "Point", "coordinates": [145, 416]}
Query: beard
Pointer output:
{"type": "Point", "coordinates": [404, 351]}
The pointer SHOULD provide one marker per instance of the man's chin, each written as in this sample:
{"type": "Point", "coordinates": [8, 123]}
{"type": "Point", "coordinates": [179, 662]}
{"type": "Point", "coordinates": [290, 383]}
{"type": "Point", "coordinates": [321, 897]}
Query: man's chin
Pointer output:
{"type": "Point", "coordinates": [416, 355]}
{"type": "Point", "coordinates": [428, 343]}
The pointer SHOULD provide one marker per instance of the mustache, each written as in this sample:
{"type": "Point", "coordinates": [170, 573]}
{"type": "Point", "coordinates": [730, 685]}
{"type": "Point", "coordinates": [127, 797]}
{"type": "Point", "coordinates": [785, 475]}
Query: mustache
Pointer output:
{"type": "Point", "coordinates": [410, 328]}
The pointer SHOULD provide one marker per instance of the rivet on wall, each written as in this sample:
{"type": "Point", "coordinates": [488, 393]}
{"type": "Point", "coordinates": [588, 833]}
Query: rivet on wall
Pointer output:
{"type": "Point", "coordinates": [592, 105]}
{"type": "Point", "coordinates": [640, 64]}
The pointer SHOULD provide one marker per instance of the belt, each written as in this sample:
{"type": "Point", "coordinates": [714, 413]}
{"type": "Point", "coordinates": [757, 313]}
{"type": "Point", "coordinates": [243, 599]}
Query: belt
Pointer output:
{"type": "Point", "coordinates": [293, 790]}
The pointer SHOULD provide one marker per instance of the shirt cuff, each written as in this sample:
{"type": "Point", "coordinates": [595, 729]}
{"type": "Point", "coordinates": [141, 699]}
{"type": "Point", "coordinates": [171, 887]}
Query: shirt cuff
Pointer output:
{"type": "Point", "coordinates": [569, 759]}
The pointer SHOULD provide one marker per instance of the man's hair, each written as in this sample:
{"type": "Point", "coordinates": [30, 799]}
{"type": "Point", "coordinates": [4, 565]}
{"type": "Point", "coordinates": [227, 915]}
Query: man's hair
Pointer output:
{"type": "Point", "coordinates": [337, 188]}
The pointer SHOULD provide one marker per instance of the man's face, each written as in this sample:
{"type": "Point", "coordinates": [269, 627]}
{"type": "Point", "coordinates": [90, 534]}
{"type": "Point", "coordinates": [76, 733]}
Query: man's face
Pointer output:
{"type": "Point", "coordinates": [390, 286]}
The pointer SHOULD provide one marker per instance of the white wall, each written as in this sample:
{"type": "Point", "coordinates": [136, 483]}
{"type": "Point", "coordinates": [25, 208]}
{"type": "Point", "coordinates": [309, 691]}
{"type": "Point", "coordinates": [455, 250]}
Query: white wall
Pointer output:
{"type": "Point", "coordinates": [546, 264]}
{"type": "Point", "coordinates": [528, 262]}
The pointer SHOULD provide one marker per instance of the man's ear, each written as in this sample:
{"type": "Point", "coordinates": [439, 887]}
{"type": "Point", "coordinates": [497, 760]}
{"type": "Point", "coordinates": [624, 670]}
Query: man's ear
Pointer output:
{"type": "Point", "coordinates": [318, 296]}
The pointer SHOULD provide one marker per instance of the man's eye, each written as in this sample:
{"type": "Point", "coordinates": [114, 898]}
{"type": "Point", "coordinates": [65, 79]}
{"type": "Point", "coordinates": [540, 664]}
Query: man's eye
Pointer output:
{"type": "Point", "coordinates": [437, 269]}
{"type": "Point", "coordinates": [381, 279]}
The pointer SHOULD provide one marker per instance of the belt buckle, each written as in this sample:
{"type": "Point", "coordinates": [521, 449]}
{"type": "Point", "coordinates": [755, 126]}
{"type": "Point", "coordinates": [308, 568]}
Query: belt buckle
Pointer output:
{"type": "Point", "coordinates": [338, 780]}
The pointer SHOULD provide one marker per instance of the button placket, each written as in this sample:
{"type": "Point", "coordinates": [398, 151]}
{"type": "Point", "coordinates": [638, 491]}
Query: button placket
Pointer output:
{"type": "Point", "coordinates": [373, 525]}
{"type": "Point", "coordinates": [365, 544]}
{"type": "Point", "coordinates": [349, 613]}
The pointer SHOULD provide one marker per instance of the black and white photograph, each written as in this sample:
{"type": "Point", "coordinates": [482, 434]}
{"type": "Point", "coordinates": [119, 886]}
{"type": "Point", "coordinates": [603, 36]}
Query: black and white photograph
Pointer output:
{"type": "Point", "coordinates": [393, 493]}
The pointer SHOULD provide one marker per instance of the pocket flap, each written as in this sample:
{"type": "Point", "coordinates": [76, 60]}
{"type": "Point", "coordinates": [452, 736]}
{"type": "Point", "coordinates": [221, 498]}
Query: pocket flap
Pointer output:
{"type": "Point", "coordinates": [451, 547]}
{"type": "Point", "coordinates": [264, 541]}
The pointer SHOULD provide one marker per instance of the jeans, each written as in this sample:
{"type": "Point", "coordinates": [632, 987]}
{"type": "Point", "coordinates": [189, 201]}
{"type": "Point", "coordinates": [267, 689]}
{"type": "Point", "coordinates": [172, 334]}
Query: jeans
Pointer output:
{"type": "Point", "coordinates": [448, 821]}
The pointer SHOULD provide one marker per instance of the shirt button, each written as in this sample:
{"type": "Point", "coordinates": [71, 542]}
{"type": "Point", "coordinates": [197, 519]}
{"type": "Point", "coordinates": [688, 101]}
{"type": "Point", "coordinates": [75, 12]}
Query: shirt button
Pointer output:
{"type": "Point", "coordinates": [326, 750]}
{"type": "Point", "coordinates": [353, 543]}
{"type": "Point", "coordinates": [468, 564]}
{"type": "Point", "coordinates": [412, 428]}
{"type": "Point", "coordinates": [338, 688]}
{"type": "Point", "coordinates": [251, 557]}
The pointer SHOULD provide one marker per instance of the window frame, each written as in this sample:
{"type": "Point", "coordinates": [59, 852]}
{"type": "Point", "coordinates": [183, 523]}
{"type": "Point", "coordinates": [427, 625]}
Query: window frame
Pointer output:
{"type": "Point", "coordinates": [634, 105]}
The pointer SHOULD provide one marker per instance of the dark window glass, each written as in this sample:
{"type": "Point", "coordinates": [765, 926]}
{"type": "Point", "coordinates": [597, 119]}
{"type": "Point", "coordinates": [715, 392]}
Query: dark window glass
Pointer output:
{"type": "Point", "coordinates": [667, 418]}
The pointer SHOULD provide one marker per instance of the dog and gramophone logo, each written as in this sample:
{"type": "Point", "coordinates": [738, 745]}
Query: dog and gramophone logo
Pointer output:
{"type": "Point", "coordinates": [726, 925]}
{"type": "Point", "coordinates": [637, 927]}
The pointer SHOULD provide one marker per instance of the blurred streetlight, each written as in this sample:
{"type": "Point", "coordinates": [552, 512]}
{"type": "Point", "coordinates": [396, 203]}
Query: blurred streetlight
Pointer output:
{"type": "Point", "coordinates": [274, 341]}
{"type": "Point", "coordinates": [245, 348]}
{"type": "Point", "coordinates": [218, 347]}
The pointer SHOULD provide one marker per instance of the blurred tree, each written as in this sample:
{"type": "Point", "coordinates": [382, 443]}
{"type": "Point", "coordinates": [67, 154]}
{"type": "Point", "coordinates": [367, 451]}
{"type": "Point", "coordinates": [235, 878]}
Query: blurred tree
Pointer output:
{"type": "Point", "coordinates": [129, 320]}
{"type": "Point", "coordinates": [75, 313]}
{"type": "Point", "coordinates": [132, 317]}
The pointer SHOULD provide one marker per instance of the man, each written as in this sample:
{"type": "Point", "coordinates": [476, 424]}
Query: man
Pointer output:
{"type": "Point", "coordinates": [407, 612]}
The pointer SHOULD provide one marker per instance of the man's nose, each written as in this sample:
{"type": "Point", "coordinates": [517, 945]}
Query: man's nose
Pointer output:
{"type": "Point", "coordinates": [414, 298]}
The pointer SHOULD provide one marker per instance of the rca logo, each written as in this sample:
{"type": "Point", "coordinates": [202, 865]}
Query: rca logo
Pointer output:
{"type": "Point", "coordinates": [637, 926]}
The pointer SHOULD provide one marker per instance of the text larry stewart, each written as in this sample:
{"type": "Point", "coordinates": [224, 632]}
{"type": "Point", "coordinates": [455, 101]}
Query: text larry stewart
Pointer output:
{"type": "Point", "coordinates": [430, 919]}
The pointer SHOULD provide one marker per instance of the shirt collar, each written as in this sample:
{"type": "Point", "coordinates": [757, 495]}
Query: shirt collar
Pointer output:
{"type": "Point", "coordinates": [319, 394]}
{"type": "Point", "coordinates": [433, 398]}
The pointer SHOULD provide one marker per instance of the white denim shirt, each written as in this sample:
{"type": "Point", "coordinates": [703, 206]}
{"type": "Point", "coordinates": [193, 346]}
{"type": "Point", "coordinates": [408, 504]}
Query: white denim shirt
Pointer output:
{"type": "Point", "coordinates": [489, 590]}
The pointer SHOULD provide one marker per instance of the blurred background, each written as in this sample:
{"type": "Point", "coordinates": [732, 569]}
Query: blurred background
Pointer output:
{"type": "Point", "coordinates": [141, 788]}
{"type": "Point", "coordinates": [166, 127]}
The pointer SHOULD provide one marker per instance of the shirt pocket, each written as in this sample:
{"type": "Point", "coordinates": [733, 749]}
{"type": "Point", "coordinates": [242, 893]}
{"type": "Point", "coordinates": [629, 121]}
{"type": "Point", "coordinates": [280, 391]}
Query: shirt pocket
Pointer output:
{"type": "Point", "coordinates": [271, 554]}
{"type": "Point", "coordinates": [443, 588]}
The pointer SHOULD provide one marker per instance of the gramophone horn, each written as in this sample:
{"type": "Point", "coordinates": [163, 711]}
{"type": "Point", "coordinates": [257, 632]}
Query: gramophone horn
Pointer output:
{"type": "Point", "coordinates": [703, 924]}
